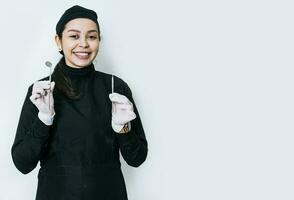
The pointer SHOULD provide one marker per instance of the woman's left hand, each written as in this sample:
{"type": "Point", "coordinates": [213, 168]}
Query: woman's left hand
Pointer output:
{"type": "Point", "coordinates": [122, 111]}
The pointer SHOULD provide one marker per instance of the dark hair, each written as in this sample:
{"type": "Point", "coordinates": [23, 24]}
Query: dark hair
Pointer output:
{"type": "Point", "coordinates": [62, 81]}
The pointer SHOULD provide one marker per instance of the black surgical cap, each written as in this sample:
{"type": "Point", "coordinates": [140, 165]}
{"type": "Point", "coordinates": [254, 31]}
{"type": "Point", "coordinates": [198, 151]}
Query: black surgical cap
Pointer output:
{"type": "Point", "coordinates": [73, 13]}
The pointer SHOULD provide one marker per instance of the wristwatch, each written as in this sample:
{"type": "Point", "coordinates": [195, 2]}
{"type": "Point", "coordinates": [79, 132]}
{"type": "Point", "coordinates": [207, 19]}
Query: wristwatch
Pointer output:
{"type": "Point", "coordinates": [125, 129]}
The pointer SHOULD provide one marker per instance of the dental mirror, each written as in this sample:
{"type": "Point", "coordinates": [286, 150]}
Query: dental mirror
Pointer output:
{"type": "Point", "coordinates": [49, 64]}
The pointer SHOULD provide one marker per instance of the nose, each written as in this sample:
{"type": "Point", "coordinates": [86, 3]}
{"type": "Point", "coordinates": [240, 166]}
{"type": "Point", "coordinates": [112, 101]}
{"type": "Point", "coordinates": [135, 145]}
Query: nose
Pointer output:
{"type": "Point", "coordinates": [84, 42]}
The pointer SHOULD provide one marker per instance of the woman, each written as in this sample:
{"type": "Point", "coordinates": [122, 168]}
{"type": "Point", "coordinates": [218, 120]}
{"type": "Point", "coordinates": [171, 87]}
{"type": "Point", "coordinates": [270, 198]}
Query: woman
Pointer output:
{"type": "Point", "coordinates": [75, 125]}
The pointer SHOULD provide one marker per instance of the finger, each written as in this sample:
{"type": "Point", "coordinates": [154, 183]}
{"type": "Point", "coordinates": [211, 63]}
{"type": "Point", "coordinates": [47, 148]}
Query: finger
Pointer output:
{"type": "Point", "coordinates": [123, 118]}
{"type": "Point", "coordinates": [124, 114]}
{"type": "Point", "coordinates": [51, 99]}
{"type": "Point", "coordinates": [113, 110]}
{"type": "Point", "coordinates": [128, 116]}
{"type": "Point", "coordinates": [43, 87]}
{"type": "Point", "coordinates": [52, 85]}
{"type": "Point", "coordinates": [40, 90]}
{"type": "Point", "coordinates": [37, 90]}
{"type": "Point", "coordinates": [38, 101]}
{"type": "Point", "coordinates": [132, 115]}
{"type": "Point", "coordinates": [118, 98]}
{"type": "Point", "coordinates": [46, 98]}
{"type": "Point", "coordinates": [49, 90]}
{"type": "Point", "coordinates": [124, 106]}
{"type": "Point", "coordinates": [35, 96]}
{"type": "Point", "coordinates": [42, 84]}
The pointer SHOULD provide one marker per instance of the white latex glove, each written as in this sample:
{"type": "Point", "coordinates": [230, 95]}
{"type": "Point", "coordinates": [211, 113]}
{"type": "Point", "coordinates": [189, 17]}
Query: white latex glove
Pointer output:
{"type": "Point", "coordinates": [41, 93]}
{"type": "Point", "coordinates": [122, 111]}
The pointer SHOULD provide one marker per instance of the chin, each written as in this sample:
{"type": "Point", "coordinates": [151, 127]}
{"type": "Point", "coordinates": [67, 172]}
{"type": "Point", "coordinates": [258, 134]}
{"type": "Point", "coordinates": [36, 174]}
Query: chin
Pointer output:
{"type": "Point", "coordinates": [82, 63]}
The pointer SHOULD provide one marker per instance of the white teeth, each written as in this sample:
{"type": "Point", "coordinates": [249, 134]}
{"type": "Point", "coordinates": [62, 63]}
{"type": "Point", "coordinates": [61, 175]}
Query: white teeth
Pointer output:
{"type": "Point", "coordinates": [82, 54]}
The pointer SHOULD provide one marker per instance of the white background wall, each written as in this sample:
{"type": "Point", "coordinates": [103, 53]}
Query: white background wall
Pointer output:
{"type": "Point", "coordinates": [213, 82]}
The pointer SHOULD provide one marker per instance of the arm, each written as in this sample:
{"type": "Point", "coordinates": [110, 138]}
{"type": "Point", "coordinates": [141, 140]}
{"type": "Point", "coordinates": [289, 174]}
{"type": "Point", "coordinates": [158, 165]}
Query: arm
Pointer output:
{"type": "Point", "coordinates": [133, 144]}
{"type": "Point", "coordinates": [30, 139]}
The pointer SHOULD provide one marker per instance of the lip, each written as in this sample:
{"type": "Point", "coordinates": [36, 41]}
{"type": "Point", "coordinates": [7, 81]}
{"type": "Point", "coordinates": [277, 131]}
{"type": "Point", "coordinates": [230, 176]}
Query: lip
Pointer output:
{"type": "Point", "coordinates": [81, 51]}
{"type": "Point", "coordinates": [82, 54]}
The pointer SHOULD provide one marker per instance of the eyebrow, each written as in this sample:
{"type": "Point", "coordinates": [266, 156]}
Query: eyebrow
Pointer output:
{"type": "Point", "coordinates": [75, 30]}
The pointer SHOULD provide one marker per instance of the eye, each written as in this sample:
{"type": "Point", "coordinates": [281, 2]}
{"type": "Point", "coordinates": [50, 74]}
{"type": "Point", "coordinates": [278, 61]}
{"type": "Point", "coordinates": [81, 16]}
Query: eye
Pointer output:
{"type": "Point", "coordinates": [74, 36]}
{"type": "Point", "coordinates": [92, 37]}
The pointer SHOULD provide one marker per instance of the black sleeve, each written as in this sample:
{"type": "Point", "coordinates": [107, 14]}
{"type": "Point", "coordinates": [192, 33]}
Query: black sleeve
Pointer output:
{"type": "Point", "coordinates": [31, 137]}
{"type": "Point", "coordinates": [133, 144]}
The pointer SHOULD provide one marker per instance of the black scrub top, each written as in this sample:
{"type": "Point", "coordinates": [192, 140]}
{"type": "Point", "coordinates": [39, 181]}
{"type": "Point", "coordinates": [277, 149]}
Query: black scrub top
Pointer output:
{"type": "Point", "coordinates": [79, 152]}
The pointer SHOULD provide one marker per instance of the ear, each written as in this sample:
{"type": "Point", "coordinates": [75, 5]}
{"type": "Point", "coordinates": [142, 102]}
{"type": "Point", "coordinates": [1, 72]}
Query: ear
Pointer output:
{"type": "Point", "coordinates": [58, 42]}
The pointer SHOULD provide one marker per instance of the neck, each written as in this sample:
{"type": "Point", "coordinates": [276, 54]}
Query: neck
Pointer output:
{"type": "Point", "coordinates": [77, 71]}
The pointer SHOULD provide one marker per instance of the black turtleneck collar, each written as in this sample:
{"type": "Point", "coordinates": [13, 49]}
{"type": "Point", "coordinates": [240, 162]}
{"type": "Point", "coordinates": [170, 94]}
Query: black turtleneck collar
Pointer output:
{"type": "Point", "coordinates": [71, 71]}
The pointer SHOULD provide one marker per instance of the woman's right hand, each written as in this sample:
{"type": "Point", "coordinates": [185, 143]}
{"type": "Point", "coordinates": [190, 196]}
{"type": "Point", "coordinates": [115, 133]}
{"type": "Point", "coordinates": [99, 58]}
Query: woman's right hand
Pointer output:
{"type": "Point", "coordinates": [42, 98]}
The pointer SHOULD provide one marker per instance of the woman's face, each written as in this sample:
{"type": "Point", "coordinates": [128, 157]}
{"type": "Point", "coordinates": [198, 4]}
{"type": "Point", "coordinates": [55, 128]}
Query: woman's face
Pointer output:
{"type": "Point", "coordinates": [79, 42]}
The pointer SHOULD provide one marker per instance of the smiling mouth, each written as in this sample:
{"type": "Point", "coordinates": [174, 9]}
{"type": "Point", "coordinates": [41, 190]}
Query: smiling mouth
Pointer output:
{"type": "Point", "coordinates": [82, 55]}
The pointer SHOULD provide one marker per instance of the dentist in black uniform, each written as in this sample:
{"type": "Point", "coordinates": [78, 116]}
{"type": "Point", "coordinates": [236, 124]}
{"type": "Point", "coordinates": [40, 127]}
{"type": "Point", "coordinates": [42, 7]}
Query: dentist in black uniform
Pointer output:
{"type": "Point", "coordinates": [74, 125]}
